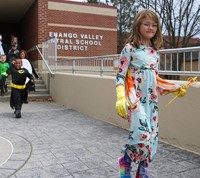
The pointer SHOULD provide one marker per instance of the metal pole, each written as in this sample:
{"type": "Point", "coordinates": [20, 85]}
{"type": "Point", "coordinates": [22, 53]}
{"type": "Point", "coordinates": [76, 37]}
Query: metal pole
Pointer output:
{"type": "Point", "coordinates": [101, 67]}
{"type": "Point", "coordinates": [55, 49]}
{"type": "Point", "coordinates": [44, 61]}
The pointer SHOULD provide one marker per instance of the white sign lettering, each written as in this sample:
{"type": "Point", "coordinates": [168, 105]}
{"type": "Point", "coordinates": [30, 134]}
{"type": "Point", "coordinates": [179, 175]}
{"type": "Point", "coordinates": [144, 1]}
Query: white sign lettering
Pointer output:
{"type": "Point", "coordinates": [75, 41]}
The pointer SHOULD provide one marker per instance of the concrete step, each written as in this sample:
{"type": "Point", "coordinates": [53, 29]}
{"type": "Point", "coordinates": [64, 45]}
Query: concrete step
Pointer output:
{"type": "Point", "coordinates": [40, 94]}
{"type": "Point", "coordinates": [37, 86]}
{"type": "Point", "coordinates": [37, 81]}
{"type": "Point", "coordinates": [38, 90]}
{"type": "Point", "coordinates": [31, 97]}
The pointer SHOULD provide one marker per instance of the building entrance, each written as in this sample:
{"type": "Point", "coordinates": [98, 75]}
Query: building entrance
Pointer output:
{"type": "Point", "coordinates": [12, 14]}
{"type": "Point", "coordinates": [81, 29]}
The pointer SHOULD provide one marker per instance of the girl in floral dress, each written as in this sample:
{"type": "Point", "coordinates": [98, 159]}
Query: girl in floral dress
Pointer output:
{"type": "Point", "coordinates": [137, 88]}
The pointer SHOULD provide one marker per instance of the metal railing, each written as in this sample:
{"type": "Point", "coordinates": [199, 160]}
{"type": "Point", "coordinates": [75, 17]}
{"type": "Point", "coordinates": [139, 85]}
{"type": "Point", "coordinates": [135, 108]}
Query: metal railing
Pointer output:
{"type": "Point", "coordinates": [49, 53]}
{"type": "Point", "coordinates": [179, 61]}
{"type": "Point", "coordinates": [44, 61]}
{"type": "Point", "coordinates": [95, 64]}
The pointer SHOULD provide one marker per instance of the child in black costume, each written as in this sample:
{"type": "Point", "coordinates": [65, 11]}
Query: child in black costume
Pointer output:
{"type": "Point", "coordinates": [18, 85]}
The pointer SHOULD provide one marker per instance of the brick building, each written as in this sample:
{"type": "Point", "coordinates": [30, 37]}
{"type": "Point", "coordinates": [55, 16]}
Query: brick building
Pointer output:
{"type": "Point", "coordinates": [82, 29]}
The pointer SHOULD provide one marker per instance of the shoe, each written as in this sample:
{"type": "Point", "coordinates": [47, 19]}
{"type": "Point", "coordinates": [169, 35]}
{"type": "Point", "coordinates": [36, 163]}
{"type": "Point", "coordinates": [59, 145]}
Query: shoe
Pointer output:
{"type": "Point", "coordinates": [26, 102]}
{"type": "Point", "coordinates": [2, 94]}
{"type": "Point", "coordinates": [142, 171]}
{"type": "Point", "coordinates": [18, 114]}
{"type": "Point", "coordinates": [124, 169]}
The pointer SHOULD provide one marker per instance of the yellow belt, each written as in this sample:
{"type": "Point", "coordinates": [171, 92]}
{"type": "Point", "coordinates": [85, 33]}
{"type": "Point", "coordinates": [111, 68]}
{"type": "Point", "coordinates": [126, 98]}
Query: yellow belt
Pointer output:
{"type": "Point", "coordinates": [17, 86]}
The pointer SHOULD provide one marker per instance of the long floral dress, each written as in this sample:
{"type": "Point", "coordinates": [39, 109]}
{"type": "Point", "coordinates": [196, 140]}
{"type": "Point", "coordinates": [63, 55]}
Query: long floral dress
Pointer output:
{"type": "Point", "coordinates": [138, 74]}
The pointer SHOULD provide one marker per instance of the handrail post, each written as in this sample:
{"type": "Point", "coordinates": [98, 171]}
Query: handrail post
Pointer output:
{"type": "Point", "coordinates": [199, 61]}
{"type": "Point", "coordinates": [55, 49]}
{"type": "Point", "coordinates": [101, 67]}
{"type": "Point", "coordinates": [73, 66]}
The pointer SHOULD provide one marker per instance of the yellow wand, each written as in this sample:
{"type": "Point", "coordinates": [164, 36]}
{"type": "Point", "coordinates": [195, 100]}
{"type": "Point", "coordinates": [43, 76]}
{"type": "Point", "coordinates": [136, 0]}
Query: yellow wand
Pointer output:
{"type": "Point", "coordinates": [191, 81]}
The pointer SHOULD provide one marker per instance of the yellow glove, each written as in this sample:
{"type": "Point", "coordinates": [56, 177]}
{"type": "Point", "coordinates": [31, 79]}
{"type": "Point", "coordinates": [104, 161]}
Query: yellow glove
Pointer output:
{"type": "Point", "coordinates": [181, 92]}
{"type": "Point", "coordinates": [121, 104]}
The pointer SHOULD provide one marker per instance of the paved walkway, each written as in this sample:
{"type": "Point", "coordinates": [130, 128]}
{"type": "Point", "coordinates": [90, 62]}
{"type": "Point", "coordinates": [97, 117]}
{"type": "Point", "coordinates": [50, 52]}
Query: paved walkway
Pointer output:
{"type": "Point", "coordinates": [50, 141]}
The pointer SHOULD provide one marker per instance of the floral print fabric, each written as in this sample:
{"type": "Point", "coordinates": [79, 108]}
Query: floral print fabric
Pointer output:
{"type": "Point", "coordinates": [138, 74]}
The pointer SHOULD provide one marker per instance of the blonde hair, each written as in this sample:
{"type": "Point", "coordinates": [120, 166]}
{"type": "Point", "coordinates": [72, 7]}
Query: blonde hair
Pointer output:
{"type": "Point", "coordinates": [2, 55]}
{"type": "Point", "coordinates": [135, 37]}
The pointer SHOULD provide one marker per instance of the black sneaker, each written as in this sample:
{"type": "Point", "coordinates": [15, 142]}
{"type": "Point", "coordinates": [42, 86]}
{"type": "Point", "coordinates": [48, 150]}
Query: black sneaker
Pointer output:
{"type": "Point", "coordinates": [18, 114]}
{"type": "Point", "coordinates": [26, 102]}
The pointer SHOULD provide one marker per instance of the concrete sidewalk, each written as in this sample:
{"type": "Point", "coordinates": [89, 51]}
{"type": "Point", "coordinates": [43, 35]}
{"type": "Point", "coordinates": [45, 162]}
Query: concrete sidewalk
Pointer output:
{"type": "Point", "coordinates": [51, 141]}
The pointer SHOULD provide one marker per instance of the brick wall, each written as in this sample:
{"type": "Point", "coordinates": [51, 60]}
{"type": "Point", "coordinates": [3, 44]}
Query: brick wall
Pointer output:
{"type": "Point", "coordinates": [29, 27]}
{"type": "Point", "coordinates": [106, 46]}
{"type": "Point", "coordinates": [40, 20]}
{"type": "Point", "coordinates": [67, 21]}
{"type": "Point", "coordinates": [34, 27]}
{"type": "Point", "coordinates": [76, 18]}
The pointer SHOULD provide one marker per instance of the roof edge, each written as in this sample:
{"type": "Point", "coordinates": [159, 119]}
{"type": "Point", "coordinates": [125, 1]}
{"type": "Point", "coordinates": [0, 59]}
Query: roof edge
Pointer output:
{"type": "Point", "coordinates": [84, 3]}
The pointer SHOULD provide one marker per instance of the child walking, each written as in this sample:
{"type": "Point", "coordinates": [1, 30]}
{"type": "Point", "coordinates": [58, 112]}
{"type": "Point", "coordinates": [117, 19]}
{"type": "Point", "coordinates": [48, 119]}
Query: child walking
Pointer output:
{"type": "Point", "coordinates": [3, 75]}
{"type": "Point", "coordinates": [26, 64]}
{"type": "Point", "coordinates": [137, 88]}
{"type": "Point", "coordinates": [18, 85]}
